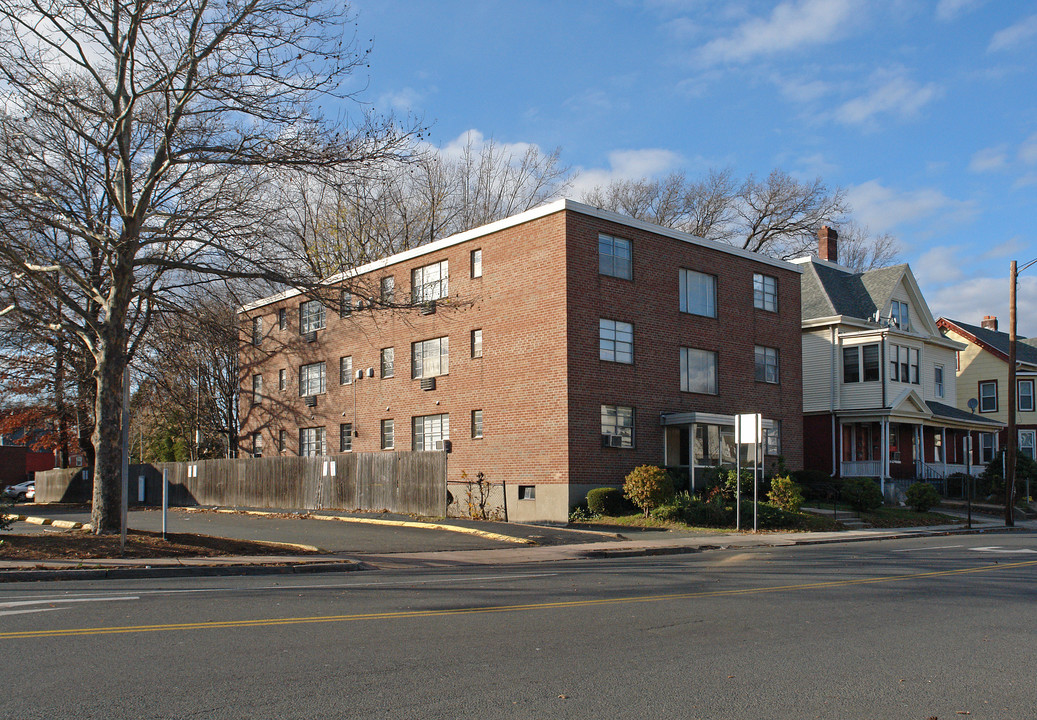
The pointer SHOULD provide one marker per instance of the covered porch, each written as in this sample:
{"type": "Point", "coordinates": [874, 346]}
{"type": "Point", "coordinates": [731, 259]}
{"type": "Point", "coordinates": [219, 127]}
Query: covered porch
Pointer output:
{"type": "Point", "coordinates": [912, 440]}
{"type": "Point", "coordinates": [694, 441]}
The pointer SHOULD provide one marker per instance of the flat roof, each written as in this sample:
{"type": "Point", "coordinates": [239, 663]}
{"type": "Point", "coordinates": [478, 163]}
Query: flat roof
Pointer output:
{"type": "Point", "coordinates": [524, 217]}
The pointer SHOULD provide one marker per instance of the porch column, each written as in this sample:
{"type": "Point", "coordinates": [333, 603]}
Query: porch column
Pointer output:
{"type": "Point", "coordinates": [839, 459]}
{"type": "Point", "coordinates": [884, 432]}
{"type": "Point", "coordinates": [691, 457]}
{"type": "Point", "coordinates": [943, 450]}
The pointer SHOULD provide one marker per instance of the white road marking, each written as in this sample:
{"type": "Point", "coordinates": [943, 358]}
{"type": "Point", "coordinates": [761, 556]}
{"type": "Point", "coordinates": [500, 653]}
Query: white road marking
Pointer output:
{"type": "Point", "coordinates": [935, 547]}
{"type": "Point", "coordinates": [54, 601]}
{"type": "Point", "coordinates": [1003, 551]}
{"type": "Point", "coordinates": [24, 612]}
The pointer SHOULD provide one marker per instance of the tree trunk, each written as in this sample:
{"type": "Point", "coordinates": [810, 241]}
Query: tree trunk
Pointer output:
{"type": "Point", "coordinates": [106, 515]}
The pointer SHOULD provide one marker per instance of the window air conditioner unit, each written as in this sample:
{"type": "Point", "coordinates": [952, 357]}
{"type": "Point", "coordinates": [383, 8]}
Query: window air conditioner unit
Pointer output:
{"type": "Point", "coordinates": [370, 372]}
{"type": "Point", "coordinates": [360, 304]}
{"type": "Point", "coordinates": [611, 441]}
{"type": "Point", "coordinates": [428, 383]}
{"type": "Point", "coordinates": [311, 401]}
{"type": "Point", "coordinates": [360, 374]}
{"type": "Point", "coordinates": [894, 457]}
{"type": "Point", "coordinates": [428, 308]}
{"type": "Point", "coordinates": [311, 336]}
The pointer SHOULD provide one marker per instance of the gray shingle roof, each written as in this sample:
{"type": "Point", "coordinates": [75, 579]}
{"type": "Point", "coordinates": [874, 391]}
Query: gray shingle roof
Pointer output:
{"type": "Point", "coordinates": [1025, 349]}
{"type": "Point", "coordinates": [828, 291]}
{"type": "Point", "coordinates": [952, 413]}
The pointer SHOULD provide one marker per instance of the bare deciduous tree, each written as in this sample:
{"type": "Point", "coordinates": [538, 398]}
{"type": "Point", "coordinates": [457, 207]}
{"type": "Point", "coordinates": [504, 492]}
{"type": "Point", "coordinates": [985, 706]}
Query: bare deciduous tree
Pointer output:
{"type": "Point", "coordinates": [143, 148]}
{"type": "Point", "coordinates": [778, 216]}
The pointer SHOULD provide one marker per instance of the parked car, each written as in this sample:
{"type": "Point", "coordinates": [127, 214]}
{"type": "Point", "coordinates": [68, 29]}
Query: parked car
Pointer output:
{"type": "Point", "coordinates": [22, 492]}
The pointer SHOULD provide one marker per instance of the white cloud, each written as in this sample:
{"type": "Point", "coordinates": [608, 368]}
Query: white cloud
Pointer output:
{"type": "Point", "coordinates": [951, 9]}
{"type": "Point", "coordinates": [893, 94]}
{"type": "Point", "coordinates": [989, 160]}
{"type": "Point", "coordinates": [802, 91]}
{"type": "Point", "coordinates": [969, 300]}
{"type": "Point", "coordinates": [938, 265]}
{"type": "Point", "coordinates": [791, 25]}
{"type": "Point", "coordinates": [403, 100]}
{"type": "Point", "coordinates": [1028, 150]}
{"type": "Point", "coordinates": [1012, 246]}
{"type": "Point", "coordinates": [1014, 35]}
{"type": "Point", "coordinates": [626, 165]}
{"type": "Point", "coordinates": [882, 208]}
{"type": "Point", "coordinates": [455, 149]}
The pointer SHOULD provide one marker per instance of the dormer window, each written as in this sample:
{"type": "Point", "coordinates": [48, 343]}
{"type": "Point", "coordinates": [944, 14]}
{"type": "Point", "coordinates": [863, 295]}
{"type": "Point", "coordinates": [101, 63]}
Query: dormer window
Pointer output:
{"type": "Point", "coordinates": [899, 316]}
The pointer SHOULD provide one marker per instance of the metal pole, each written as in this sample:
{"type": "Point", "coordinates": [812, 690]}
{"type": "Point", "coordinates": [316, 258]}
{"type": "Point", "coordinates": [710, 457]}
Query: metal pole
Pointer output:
{"type": "Point", "coordinates": [125, 454]}
{"type": "Point", "coordinates": [968, 481]}
{"type": "Point", "coordinates": [758, 461]}
{"type": "Point", "coordinates": [738, 472]}
{"type": "Point", "coordinates": [165, 499]}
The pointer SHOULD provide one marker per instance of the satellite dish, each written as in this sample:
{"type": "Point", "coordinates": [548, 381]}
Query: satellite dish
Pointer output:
{"type": "Point", "coordinates": [973, 404]}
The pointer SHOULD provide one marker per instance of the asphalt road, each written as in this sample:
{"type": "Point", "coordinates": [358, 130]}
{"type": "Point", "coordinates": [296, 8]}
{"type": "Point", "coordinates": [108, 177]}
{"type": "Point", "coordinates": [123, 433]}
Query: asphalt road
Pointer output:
{"type": "Point", "coordinates": [921, 628]}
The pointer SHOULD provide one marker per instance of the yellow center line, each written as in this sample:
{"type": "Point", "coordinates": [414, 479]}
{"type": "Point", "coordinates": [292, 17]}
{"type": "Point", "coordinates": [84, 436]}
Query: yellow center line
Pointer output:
{"type": "Point", "coordinates": [407, 614]}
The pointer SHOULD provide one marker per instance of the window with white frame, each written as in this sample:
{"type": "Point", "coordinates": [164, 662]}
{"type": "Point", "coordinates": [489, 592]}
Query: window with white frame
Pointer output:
{"type": "Point", "coordinates": [345, 304]}
{"type": "Point", "coordinates": [429, 431]}
{"type": "Point", "coordinates": [851, 364]}
{"type": "Point", "coordinates": [614, 257]}
{"type": "Point", "coordinates": [345, 370]}
{"type": "Point", "coordinates": [282, 440]}
{"type": "Point", "coordinates": [476, 424]}
{"type": "Point", "coordinates": [345, 437]}
{"type": "Point", "coordinates": [477, 263]}
{"type": "Point", "coordinates": [903, 364]}
{"type": "Point", "coordinates": [388, 434]}
{"type": "Point", "coordinates": [257, 389]}
{"type": "Point", "coordinates": [988, 396]}
{"type": "Point", "coordinates": [312, 442]}
{"type": "Point", "coordinates": [430, 358]}
{"type": "Point", "coordinates": [312, 379]}
{"type": "Point", "coordinates": [282, 319]}
{"type": "Point", "coordinates": [765, 292]}
{"type": "Point", "coordinates": [1027, 439]}
{"type": "Point", "coordinates": [772, 439]}
{"type": "Point", "coordinates": [615, 341]}
{"type": "Point", "coordinates": [766, 364]}
{"type": "Point", "coordinates": [938, 380]}
{"type": "Point", "coordinates": [476, 343]}
{"type": "Point", "coordinates": [311, 316]}
{"type": "Point", "coordinates": [257, 444]}
{"type": "Point", "coordinates": [429, 282]}
{"type": "Point", "coordinates": [388, 362]}
{"type": "Point", "coordinates": [698, 293]}
{"type": "Point", "coordinates": [987, 447]}
{"type": "Point", "coordinates": [387, 290]}
{"type": "Point", "coordinates": [1025, 395]}
{"type": "Point", "coordinates": [899, 315]}
{"type": "Point", "coordinates": [257, 330]}
{"type": "Point", "coordinates": [698, 371]}
{"type": "Point", "coordinates": [282, 379]}
{"type": "Point", "coordinates": [617, 426]}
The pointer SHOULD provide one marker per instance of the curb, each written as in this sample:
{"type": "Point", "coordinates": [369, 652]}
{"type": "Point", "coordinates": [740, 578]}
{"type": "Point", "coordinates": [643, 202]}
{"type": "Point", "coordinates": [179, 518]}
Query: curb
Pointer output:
{"type": "Point", "coordinates": [130, 573]}
{"type": "Point", "coordinates": [396, 523]}
{"type": "Point", "coordinates": [33, 520]}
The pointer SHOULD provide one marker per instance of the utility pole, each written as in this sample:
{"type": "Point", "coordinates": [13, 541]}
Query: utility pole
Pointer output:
{"type": "Point", "coordinates": [1010, 443]}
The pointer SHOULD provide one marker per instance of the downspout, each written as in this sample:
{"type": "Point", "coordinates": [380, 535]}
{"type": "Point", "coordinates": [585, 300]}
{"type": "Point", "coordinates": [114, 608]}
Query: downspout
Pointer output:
{"type": "Point", "coordinates": [883, 363]}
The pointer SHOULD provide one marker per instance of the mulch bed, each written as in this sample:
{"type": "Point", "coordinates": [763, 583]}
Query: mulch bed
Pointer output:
{"type": "Point", "coordinates": [80, 544]}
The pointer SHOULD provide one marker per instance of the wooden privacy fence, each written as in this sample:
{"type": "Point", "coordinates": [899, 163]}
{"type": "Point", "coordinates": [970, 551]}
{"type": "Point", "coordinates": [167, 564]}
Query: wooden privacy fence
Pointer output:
{"type": "Point", "coordinates": [403, 482]}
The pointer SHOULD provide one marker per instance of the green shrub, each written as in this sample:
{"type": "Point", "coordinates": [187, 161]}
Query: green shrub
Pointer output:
{"type": "Point", "coordinates": [815, 484]}
{"type": "Point", "coordinates": [714, 513]}
{"type": "Point", "coordinates": [786, 494]}
{"type": "Point", "coordinates": [921, 496]}
{"type": "Point", "coordinates": [605, 501]}
{"type": "Point", "coordinates": [676, 508]}
{"type": "Point", "coordinates": [648, 486]}
{"type": "Point", "coordinates": [5, 507]}
{"type": "Point", "coordinates": [580, 512]}
{"type": "Point", "coordinates": [863, 494]}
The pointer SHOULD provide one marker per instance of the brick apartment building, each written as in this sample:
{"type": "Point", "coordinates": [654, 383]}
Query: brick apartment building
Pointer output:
{"type": "Point", "coordinates": [556, 350]}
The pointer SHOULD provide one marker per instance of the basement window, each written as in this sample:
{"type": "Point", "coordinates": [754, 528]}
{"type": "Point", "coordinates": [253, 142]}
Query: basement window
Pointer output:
{"type": "Point", "coordinates": [527, 492]}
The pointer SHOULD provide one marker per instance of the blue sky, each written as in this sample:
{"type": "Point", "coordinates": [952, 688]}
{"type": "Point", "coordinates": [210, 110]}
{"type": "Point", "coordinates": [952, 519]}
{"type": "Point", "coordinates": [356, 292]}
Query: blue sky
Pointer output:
{"type": "Point", "coordinates": [924, 112]}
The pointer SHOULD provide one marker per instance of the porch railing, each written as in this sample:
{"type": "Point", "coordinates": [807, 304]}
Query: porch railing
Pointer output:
{"type": "Point", "coordinates": [861, 468]}
{"type": "Point", "coordinates": [924, 471]}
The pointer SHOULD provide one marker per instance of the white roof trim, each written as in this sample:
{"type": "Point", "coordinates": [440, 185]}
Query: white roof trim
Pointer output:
{"type": "Point", "coordinates": [524, 217]}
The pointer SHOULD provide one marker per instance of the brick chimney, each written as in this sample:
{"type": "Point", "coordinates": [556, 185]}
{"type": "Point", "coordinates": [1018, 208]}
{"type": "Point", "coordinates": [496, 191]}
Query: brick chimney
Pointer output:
{"type": "Point", "coordinates": [989, 322]}
{"type": "Point", "coordinates": [828, 244]}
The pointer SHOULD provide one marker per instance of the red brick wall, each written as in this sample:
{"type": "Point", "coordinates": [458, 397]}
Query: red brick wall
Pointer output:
{"type": "Point", "coordinates": [817, 444]}
{"type": "Point", "coordinates": [650, 301]}
{"type": "Point", "coordinates": [519, 383]}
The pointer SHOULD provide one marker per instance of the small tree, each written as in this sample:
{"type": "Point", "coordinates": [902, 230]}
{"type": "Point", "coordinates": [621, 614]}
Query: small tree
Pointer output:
{"type": "Point", "coordinates": [648, 486]}
{"type": "Point", "coordinates": [786, 494]}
